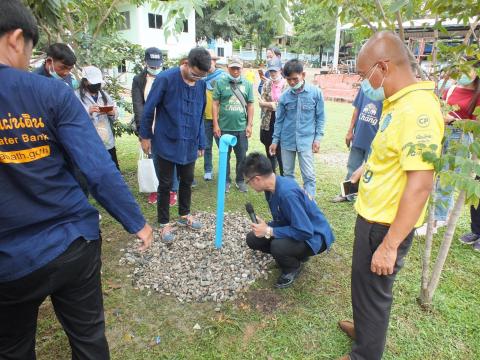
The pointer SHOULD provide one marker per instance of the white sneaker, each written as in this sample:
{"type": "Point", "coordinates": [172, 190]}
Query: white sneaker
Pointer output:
{"type": "Point", "coordinates": [422, 230]}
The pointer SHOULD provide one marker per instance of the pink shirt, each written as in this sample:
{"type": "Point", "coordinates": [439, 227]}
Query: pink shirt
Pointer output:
{"type": "Point", "coordinates": [277, 87]}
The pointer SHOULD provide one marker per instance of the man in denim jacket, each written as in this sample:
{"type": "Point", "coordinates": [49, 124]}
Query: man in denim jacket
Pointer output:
{"type": "Point", "coordinates": [299, 125]}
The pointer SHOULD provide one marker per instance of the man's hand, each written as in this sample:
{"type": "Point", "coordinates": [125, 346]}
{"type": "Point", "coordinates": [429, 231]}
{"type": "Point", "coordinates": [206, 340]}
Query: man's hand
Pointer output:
{"type": "Point", "coordinates": [216, 131]}
{"type": "Point", "coordinates": [93, 108]}
{"type": "Point", "coordinates": [357, 174]}
{"type": "Point", "coordinates": [383, 260]}
{"type": "Point", "coordinates": [349, 138]}
{"type": "Point", "coordinates": [248, 131]}
{"type": "Point", "coordinates": [146, 235]}
{"type": "Point", "coordinates": [146, 146]}
{"type": "Point", "coordinates": [272, 149]}
{"type": "Point", "coordinates": [260, 229]}
{"type": "Point", "coordinates": [201, 153]}
{"type": "Point", "coordinates": [316, 146]}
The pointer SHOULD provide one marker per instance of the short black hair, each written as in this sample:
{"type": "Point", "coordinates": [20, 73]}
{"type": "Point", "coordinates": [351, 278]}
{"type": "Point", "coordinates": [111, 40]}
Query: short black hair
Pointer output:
{"type": "Point", "coordinates": [17, 16]}
{"type": "Point", "coordinates": [200, 58]}
{"type": "Point", "coordinates": [293, 67]}
{"type": "Point", "coordinates": [63, 53]}
{"type": "Point", "coordinates": [256, 164]}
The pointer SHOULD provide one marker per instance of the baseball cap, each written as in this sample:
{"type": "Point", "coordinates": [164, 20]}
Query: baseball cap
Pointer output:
{"type": "Point", "coordinates": [153, 57]}
{"type": "Point", "coordinates": [235, 62]}
{"type": "Point", "coordinates": [92, 74]}
{"type": "Point", "coordinates": [274, 65]}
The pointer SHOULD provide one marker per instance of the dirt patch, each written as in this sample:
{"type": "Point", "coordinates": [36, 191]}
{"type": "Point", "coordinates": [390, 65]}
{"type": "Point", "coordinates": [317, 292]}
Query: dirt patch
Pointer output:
{"type": "Point", "coordinates": [266, 301]}
{"type": "Point", "coordinates": [333, 159]}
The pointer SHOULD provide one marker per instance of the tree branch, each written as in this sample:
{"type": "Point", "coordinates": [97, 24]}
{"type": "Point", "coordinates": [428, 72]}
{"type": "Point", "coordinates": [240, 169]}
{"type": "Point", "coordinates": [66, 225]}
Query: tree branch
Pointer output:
{"type": "Point", "coordinates": [471, 31]}
{"type": "Point", "coordinates": [104, 18]}
{"type": "Point", "coordinates": [401, 31]}
{"type": "Point", "coordinates": [365, 20]}
{"type": "Point", "coordinates": [384, 17]}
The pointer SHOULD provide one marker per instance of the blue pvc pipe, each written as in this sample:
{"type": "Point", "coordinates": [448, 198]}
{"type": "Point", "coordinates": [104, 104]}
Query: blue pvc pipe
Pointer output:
{"type": "Point", "coordinates": [225, 141]}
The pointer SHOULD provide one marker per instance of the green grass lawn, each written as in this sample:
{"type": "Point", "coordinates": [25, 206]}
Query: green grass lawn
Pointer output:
{"type": "Point", "coordinates": [296, 323]}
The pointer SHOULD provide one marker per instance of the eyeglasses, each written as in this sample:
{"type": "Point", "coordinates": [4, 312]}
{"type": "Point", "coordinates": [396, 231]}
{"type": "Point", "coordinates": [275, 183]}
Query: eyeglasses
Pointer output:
{"type": "Point", "coordinates": [373, 67]}
{"type": "Point", "coordinates": [250, 179]}
{"type": "Point", "coordinates": [196, 76]}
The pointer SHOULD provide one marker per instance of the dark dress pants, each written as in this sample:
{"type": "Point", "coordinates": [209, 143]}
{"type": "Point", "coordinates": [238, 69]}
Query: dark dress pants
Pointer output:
{"type": "Point", "coordinates": [288, 253]}
{"type": "Point", "coordinates": [72, 281]}
{"type": "Point", "coordinates": [164, 170]}
{"type": "Point", "coordinates": [372, 294]}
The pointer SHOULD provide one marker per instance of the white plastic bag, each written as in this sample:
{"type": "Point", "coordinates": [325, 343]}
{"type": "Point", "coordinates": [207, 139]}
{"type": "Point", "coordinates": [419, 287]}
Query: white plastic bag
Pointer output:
{"type": "Point", "coordinates": [147, 178]}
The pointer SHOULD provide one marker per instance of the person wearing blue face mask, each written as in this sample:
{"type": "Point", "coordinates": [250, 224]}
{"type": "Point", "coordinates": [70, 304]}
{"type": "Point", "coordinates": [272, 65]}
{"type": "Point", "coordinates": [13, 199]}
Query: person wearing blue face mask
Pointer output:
{"type": "Point", "coordinates": [394, 186]}
{"type": "Point", "coordinates": [299, 124]}
{"type": "Point", "coordinates": [59, 64]}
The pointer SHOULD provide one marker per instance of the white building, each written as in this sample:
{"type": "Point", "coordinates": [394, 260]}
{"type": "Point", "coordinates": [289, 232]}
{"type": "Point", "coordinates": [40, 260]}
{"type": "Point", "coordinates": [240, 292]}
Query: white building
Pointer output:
{"type": "Point", "coordinates": [145, 26]}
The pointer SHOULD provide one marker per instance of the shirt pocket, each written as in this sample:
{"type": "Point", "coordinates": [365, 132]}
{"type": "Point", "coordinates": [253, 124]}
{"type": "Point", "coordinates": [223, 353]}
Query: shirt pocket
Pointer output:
{"type": "Point", "coordinates": [308, 106]}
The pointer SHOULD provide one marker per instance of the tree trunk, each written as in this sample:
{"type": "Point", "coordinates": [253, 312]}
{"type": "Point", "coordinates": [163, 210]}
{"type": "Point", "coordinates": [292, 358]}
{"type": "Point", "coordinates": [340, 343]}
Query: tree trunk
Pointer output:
{"type": "Point", "coordinates": [428, 247]}
{"type": "Point", "coordinates": [427, 295]}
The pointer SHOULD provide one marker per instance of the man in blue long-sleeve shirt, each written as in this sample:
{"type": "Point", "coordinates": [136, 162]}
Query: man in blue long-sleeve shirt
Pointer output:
{"type": "Point", "coordinates": [49, 233]}
{"type": "Point", "coordinates": [177, 101]}
{"type": "Point", "coordinates": [299, 124]}
{"type": "Point", "coordinates": [298, 230]}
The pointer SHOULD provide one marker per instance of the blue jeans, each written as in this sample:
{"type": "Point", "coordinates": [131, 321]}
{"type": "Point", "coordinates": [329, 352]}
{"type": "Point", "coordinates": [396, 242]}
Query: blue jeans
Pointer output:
{"type": "Point", "coordinates": [356, 158]}
{"type": "Point", "coordinates": [207, 160]}
{"type": "Point", "coordinates": [305, 160]}
{"type": "Point", "coordinates": [240, 150]}
{"type": "Point", "coordinates": [444, 195]}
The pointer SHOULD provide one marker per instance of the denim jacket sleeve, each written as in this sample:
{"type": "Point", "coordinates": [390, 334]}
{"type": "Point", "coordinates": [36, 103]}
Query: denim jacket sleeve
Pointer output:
{"type": "Point", "coordinates": [319, 116]}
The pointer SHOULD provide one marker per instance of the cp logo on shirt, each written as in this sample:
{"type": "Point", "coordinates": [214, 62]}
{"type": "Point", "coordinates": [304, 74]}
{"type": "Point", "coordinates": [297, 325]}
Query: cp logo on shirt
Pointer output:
{"type": "Point", "coordinates": [423, 120]}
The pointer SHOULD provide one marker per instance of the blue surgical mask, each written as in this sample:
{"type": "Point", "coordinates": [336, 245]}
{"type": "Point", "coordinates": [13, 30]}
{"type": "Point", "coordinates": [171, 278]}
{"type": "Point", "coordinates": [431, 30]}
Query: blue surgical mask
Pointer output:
{"type": "Point", "coordinates": [75, 84]}
{"type": "Point", "coordinates": [465, 80]}
{"type": "Point", "coordinates": [154, 72]}
{"type": "Point", "coordinates": [53, 74]}
{"type": "Point", "coordinates": [377, 94]}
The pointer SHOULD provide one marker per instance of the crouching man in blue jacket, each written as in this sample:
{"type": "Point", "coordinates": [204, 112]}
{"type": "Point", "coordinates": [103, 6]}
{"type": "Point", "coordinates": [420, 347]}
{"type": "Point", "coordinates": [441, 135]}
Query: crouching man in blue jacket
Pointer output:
{"type": "Point", "coordinates": [298, 230]}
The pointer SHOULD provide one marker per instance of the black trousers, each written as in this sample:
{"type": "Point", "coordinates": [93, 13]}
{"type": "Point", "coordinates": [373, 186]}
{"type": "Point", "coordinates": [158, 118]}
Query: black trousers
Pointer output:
{"type": "Point", "coordinates": [266, 137]}
{"type": "Point", "coordinates": [475, 217]}
{"type": "Point", "coordinates": [372, 294]}
{"type": "Point", "coordinates": [73, 283]}
{"type": "Point", "coordinates": [164, 170]}
{"type": "Point", "coordinates": [113, 154]}
{"type": "Point", "coordinates": [287, 252]}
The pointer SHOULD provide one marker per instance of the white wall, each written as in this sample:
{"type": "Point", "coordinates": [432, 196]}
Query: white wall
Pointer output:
{"type": "Point", "coordinates": [139, 32]}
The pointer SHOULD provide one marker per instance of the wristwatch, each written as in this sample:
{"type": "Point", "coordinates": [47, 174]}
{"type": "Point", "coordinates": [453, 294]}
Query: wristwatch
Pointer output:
{"type": "Point", "coordinates": [268, 235]}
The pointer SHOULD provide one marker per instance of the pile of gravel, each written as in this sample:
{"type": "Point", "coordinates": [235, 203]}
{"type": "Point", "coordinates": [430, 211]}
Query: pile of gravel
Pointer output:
{"type": "Point", "coordinates": [192, 269]}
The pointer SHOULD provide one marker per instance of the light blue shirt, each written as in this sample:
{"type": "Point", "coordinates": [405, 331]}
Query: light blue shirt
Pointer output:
{"type": "Point", "coordinates": [299, 119]}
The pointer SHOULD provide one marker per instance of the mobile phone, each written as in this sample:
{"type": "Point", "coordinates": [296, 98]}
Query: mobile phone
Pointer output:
{"type": "Point", "coordinates": [260, 73]}
{"type": "Point", "coordinates": [348, 188]}
{"type": "Point", "coordinates": [106, 109]}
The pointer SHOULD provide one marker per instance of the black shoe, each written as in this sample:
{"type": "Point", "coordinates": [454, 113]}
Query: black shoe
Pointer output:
{"type": "Point", "coordinates": [286, 280]}
{"type": "Point", "coordinates": [305, 259]}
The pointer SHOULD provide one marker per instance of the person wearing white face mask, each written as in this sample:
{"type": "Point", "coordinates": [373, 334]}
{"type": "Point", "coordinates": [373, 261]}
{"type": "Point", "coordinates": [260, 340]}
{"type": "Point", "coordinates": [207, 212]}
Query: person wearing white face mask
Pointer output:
{"type": "Point", "coordinates": [271, 91]}
{"type": "Point", "coordinates": [232, 113]}
{"type": "Point", "coordinates": [59, 64]}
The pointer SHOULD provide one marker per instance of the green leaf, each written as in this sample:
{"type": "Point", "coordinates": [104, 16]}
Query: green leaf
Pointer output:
{"type": "Point", "coordinates": [397, 5]}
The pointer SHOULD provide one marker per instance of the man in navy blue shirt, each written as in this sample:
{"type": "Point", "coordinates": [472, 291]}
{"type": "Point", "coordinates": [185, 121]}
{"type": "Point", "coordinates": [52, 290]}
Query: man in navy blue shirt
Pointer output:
{"type": "Point", "coordinates": [298, 229]}
{"type": "Point", "coordinates": [360, 134]}
{"type": "Point", "coordinates": [59, 64]}
{"type": "Point", "coordinates": [49, 233]}
{"type": "Point", "coordinates": [177, 101]}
